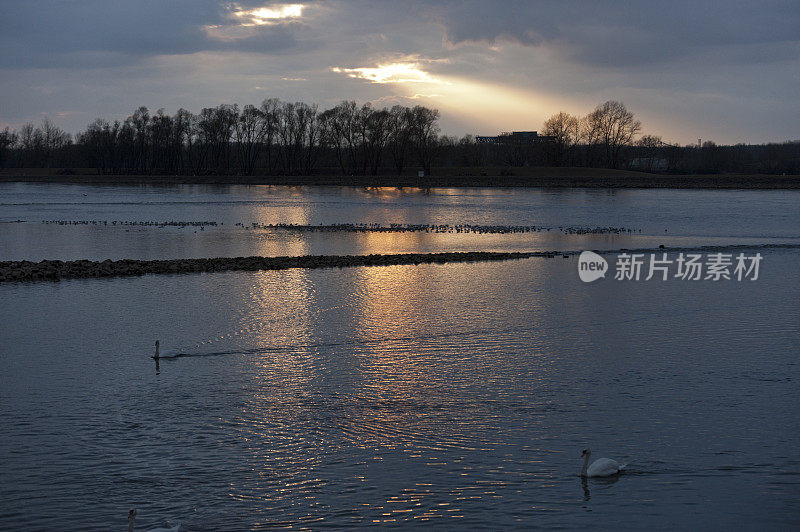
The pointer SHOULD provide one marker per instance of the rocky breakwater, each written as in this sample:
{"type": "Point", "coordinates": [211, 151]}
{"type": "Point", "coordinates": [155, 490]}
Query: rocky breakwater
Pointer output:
{"type": "Point", "coordinates": [53, 270]}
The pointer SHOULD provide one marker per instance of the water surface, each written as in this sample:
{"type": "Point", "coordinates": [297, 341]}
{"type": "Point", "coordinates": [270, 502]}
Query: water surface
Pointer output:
{"type": "Point", "coordinates": [669, 217]}
{"type": "Point", "coordinates": [459, 395]}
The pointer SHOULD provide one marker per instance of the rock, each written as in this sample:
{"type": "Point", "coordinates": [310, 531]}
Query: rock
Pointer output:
{"type": "Point", "coordinates": [11, 271]}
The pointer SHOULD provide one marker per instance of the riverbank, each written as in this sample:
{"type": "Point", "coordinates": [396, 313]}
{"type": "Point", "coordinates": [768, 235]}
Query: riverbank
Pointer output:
{"type": "Point", "coordinates": [518, 177]}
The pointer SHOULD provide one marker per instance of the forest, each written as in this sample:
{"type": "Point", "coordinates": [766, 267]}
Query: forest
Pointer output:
{"type": "Point", "coordinates": [284, 138]}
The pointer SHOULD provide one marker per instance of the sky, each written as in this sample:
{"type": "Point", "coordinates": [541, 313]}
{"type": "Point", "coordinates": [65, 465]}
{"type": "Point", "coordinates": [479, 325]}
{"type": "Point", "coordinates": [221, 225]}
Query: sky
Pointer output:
{"type": "Point", "coordinates": [722, 71]}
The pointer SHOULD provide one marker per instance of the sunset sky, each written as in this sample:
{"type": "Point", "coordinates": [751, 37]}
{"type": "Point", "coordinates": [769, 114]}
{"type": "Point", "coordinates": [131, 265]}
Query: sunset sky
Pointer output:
{"type": "Point", "coordinates": [722, 71]}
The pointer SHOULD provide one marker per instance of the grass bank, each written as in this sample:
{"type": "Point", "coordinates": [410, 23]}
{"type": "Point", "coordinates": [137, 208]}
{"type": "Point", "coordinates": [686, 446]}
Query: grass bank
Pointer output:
{"type": "Point", "coordinates": [534, 177]}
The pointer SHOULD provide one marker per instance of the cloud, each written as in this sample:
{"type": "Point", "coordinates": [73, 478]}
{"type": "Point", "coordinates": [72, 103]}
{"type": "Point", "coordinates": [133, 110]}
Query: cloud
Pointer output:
{"type": "Point", "coordinates": [681, 66]}
{"type": "Point", "coordinates": [267, 15]}
{"type": "Point", "coordinates": [621, 34]}
{"type": "Point", "coordinates": [390, 73]}
{"type": "Point", "coordinates": [98, 33]}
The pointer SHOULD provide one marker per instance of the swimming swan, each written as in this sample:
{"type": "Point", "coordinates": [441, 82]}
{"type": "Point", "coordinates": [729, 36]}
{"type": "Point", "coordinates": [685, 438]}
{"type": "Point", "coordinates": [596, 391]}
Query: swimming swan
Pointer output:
{"type": "Point", "coordinates": [602, 467]}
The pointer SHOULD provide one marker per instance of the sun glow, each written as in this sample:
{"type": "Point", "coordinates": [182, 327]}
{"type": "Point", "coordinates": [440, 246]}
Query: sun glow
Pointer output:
{"type": "Point", "coordinates": [479, 103]}
{"type": "Point", "coordinates": [390, 73]}
{"type": "Point", "coordinates": [274, 14]}
{"type": "Point", "coordinates": [246, 23]}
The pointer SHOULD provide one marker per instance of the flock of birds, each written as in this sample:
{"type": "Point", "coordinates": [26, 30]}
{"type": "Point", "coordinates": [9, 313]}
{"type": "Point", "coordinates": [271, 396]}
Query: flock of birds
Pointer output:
{"type": "Point", "coordinates": [122, 223]}
{"type": "Point", "coordinates": [361, 227]}
{"type": "Point", "coordinates": [436, 228]}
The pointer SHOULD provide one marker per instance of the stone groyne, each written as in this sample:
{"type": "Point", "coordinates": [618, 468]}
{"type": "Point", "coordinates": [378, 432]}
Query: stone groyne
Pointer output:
{"type": "Point", "coordinates": [53, 270]}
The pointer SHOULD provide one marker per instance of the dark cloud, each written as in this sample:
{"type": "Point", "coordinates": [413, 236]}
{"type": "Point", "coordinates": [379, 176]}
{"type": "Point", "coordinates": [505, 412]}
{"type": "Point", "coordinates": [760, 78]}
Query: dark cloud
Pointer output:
{"type": "Point", "coordinates": [613, 33]}
{"type": "Point", "coordinates": [688, 69]}
{"type": "Point", "coordinates": [101, 33]}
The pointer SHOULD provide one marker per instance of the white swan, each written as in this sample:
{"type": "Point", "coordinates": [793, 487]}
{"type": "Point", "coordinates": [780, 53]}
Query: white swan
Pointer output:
{"type": "Point", "coordinates": [602, 467]}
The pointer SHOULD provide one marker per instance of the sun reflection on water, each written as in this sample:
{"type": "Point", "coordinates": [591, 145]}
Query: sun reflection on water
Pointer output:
{"type": "Point", "coordinates": [388, 364]}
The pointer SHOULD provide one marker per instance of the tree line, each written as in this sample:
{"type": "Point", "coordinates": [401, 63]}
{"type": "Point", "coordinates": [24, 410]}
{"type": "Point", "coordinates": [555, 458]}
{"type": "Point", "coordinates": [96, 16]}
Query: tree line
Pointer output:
{"type": "Point", "coordinates": [273, 138]}
{"type": "Point", "coordinates": [284, 138]}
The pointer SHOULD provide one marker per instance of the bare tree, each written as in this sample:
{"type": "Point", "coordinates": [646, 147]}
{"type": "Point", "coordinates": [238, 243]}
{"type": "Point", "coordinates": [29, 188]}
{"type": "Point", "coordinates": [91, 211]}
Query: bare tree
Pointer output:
{"type": "Point", "coordinates": [183, 138]}
{"type": "Point", "coordinates": [270, 109]}
{"type": "Point", "coordinates": [31, 144]}
{"type": "Point", "coordinates": [610, 126]}
{"type": "Point", "coordinates": [160, 142]}
{"type": "Point", "coordinates": [92, 142]}
{"type": "Point", "coordinates": [249, 132]}
{"type": "Point", "coordinates": [400, 136]}
{"type": "Point", "coordinates": [125, 143]}
{"type": "Point", "coordinates": [363, 151]}
{"type": "Point", "coordinates": [331, 135]}
{"type": "Point", "coordinates": [8, 140]}
{"type": "Point", "coordinates": [344, 135]}
{"type": "Point", "coordinates": [648, 153]}
{"type": "Point", "coordinates": [298, 137]}
{"type": "Point", "coordinates": [140, 123]}
{"type": "Point", "coordinates": [564, 128]}
{"type": "Point", "coordinates": [376, 136]}
{"type": "Point", "coordinates": [310, 133]}
{"type": "Point", "coordinates": [54, 139]}
{"type": "Point", "coordinates": [470, 152]}
{"type": "Point", "coordinates": [27, 136]}
{"type": "Point", "coordinates": [287, 132]}
{"type": "Point", "coordinates": [425, 131]}
{"type": "Point", "coordinates": [216, 128]}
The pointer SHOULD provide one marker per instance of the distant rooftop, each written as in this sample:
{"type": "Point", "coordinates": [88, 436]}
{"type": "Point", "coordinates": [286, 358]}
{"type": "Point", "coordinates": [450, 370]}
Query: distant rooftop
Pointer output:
{"type": "Point", "coordinates": [512, 137]}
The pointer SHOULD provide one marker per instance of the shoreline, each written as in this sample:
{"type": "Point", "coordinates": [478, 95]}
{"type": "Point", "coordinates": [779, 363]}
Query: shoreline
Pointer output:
{"type": "Point", "coordinates": [567, 178]}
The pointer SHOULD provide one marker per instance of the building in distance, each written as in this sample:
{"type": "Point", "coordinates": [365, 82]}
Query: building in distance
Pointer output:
{"type": "Point", "coordinates": [514, 137]}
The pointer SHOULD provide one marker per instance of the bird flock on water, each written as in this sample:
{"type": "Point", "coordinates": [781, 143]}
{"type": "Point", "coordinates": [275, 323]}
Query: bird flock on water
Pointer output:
{"type": "Point", "coordinates": [462, 228]}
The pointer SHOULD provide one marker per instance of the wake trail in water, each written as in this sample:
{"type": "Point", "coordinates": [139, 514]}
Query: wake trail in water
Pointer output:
{"type": "Point", "coordinates": [401, 339]}
{"type": "Point", "coordinates": [707, 248]}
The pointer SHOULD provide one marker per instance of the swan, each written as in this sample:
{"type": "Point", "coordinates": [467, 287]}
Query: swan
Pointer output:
{"type": "Point", "coordinates": [602, 467]}
{"type": "Point", "coordinates": [158, 354]}
{"type": "Point", "coordinates": [132, 517]}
